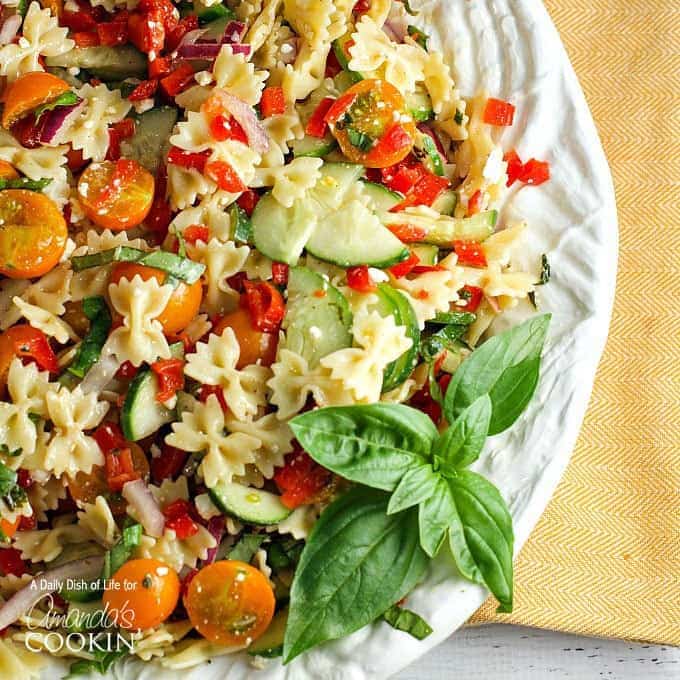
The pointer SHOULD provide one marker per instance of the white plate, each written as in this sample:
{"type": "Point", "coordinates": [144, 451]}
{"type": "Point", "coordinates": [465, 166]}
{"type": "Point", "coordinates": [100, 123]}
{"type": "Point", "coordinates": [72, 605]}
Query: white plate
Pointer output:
{"type": "Point", "coordinates": [511, 48]}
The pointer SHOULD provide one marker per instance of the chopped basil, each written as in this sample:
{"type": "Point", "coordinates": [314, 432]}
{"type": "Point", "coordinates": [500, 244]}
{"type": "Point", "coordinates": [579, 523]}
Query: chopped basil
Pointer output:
{"type": "Point", "coordinates": [447, 337]}
{"type": "Point", "coordinates": [418, 36]}
{"type": "Point", "coordinates": [8, 479]}
{"type": "Point", "coordinates": [100, 664]}
{"type": "Point", "coordinates": [408, 8]}
{"type": "Point", "coordinates": [215, 12]}
{"type": "Point", "coordinates": [97, 311]}
{"type": "Point", "coordinates": [122, 550]}
{"type": "Point", "coordinates": [532, 299]}
{"type": "Point", "coordinates": [457, 318]}
{"type": "Point", "coordinates": [246, 548]}
{"type": "Point", "coordinates": [359, 140]}
{"type": "Point", "coordinates": [25, 183]}
{"type": "Point", "coordinates": [458, 117]}
{"type": "Point", "coordinates": [5, 450]}
{"type": "Point", "coordinates": [64, 99]}
{"type": "Point", "coordinates": [545, 271]}
{"type": "Point", "coordinates": [241, 224]}
{"type": "Point", "coordinates": [408, 622]}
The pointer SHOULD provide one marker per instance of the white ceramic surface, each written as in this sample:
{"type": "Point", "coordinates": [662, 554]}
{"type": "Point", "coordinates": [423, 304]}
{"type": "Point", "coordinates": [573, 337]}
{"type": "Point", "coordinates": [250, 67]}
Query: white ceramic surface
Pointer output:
{"type": "Point", "coordinates": [511, 48]}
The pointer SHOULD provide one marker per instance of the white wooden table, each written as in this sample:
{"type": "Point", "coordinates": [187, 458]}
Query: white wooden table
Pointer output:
{"type": "Point", "coordinates": [498, 652]}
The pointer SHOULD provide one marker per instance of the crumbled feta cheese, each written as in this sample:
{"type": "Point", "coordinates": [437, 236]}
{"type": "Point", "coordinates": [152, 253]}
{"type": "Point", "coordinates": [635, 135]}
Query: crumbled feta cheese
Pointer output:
{"type": "Point", "coordinates": [378, 275]}
{"type": "Point", "coordinates": [203, 78]}
{"type": "Point", "coordinates": [143, 105]}
{"type": "Point", "coordinates": [495, 166]}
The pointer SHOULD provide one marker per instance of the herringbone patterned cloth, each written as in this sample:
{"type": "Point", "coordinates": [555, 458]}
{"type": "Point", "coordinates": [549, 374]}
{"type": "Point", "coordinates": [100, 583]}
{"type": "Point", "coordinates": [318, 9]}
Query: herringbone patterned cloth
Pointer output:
{"type": "Point", "coordinates": [605, 558]}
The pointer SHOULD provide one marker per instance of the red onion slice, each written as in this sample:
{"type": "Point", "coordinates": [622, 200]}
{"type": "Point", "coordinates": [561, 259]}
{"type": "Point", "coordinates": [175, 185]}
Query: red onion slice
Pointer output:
{"type": "Point", "coordinates": [216, 528]}
{"type": "Point", "coordinates": [246, 118]}
{"type": "Point", "coordinates": [101, 374]}
{"type": "Point", "coordinates": [234, 32]}
{"type": "Point", "coordinates": [200, 50]}
{"type": "Point", "coordinates": [241, 49]}
{"type": "Point", "coordinates": [192, 37]}
{"type": "Point", "coordinates": [9, 29]}
{"type": "Point", "coordinates": [137, 494]}
{"type": "Point", "coordinates": [58, 119]}
{"type": "Point", "coordinates": [47, 582]}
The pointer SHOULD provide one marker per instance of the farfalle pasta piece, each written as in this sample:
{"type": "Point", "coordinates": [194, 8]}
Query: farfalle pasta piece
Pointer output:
{"type": "Point", "coordinates": [113, 5]}
{"type": "Point", "coordinates": [89, 131]}
{"type": "Point", "coordinates": [45, 545]}
{"type": "Point", "coordinates": [140, 338]}
{"type": "Point", "coordinates": [211, 213]}
{"type": "Point", "coordinates": [222, 261]}
{"type": "Point", "coordinates": [299, 523]}
{"type": "Point", "coordinates": [177, 553]}
{"type": "Point", "coordinates": [16, 661]}
{"type": "Point", "coordinates": [214, 363]}
{"type": "Point", "coordinates": [263, 24]}
{"type": "Point", "coordinates": [156, 642]}
{"type": "Point", "coordinates": [44, 320]}
{"type": "Point", "coordinates": [45, 496]}
{"type": "Point", "coordinates": [290, 182]}
{"type": "Point", "coordinates": [360, 369]}
{"type": "Point", "coordinates": [447, 103]}
{"type": "Point", "coordinates": [98, 519]}
{"type": "Point", "coordinates": [203, 429]}
{"type": "Point", "coordinates": [186, 185]}
{"type": "Point", "coordinates": [237, 76]}
{"type": "Point", "coordinates": [192, 652]}
{"type": "Point", "coordinates": [41, 37]}
{"type": "Point", "coordinates": [70, 450]}
{"type": "Point", "coordinates": [170, 491]}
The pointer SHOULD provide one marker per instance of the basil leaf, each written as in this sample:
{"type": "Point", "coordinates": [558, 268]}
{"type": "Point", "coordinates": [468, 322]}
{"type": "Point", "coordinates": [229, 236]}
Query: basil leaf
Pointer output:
{"type": "Point", "coordinates": [434, 517]}
{"type": "Point", "coordinates": [462, 443]}
{"type": "Point", "coordinates": [8, 479]}
{"type": "Point", "coordinates": [417, 485]}
{"type": "Point", "coordinates": [447, 338]}
{"type": "Point", "coordinates": [241, 224]}
{"type": "Point", "coordinates": [97, 311]}
{"type": "Point", "coordinates": [373, 445]}
{"type": "Point", "coordinates": [455, 318]}
{"type": "Point", "coordinates": [246, 547]}
{"type": "Point", "coordinates": [420, 37]}
{"type": "Point", "coordinates": [360, 140]}
{"type": "Point", "coordinates": [481, 536]}
{"type": "Point", "coordinates": [408, 622]}
{"type": "Point", "coordinates": [25, 183]}
{"type": "Point", "coordinates": [357, 563]}
{"type": "Point", "coordinates": [65, 99]}
{"type": "Point", "coordinates": [506, 367]}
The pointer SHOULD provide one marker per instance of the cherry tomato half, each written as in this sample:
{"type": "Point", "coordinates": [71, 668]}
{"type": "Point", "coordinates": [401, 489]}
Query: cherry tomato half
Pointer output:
{"type": "Point", "coordinates": [33, 234]}
{"type": "Point", "coordinates": [116, 195]}
{"type": "Point", "coordinates": [184, 302]}
{"type": "Point", "coordinates": [230, 603]}
{"type": "Point", "coordinates": [371, 124]}
{"type": "Point", "coordinates": [28, 92]}
{"type": "Point", "coordinates": [254, 344]}
{"type": "Point", "coordinates": [144, 594]}
{"type": "Point", "coordinates": [28, 343]}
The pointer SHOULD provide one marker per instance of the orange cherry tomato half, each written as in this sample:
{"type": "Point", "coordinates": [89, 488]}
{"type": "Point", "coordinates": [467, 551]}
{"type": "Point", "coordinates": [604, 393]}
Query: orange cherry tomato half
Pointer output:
{"type": "Point", "coordinates": [28, 343]}
{"type": "Point", "coordinates": [143, 594]}
{"type": "Point", "coordinates": [33, 234]}
{"type": "Point", "coordinates": [28, 92]}
{"type": "Point", "coordinates": [7, 171]}
{"type": "Point", "coordinates": [254, 344]}
{"type": "Point", "coordinates": [371, 124]}
{"type": "Point", "coordinates": [184, 302]}
{"type": "Point", "coordinates": [9, 528]}
{"type": "Point", "coordinates": [86, 486]}
{"type": "Point", "coordinates": [230, 602]}
{"type": "Point", "coordinates": [116, 195]}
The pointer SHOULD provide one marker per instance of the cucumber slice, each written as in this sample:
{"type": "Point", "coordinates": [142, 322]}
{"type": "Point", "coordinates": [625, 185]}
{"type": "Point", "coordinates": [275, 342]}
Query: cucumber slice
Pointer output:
{"type": "Point", "coordinates": [446, 202]}
{"type": "Point", "coordinates": [315, 324]}
{"type": "Point", "coordinates": [427, 254]}
{"type": "Point", "coordinates": [150, 142]}
{"type": "Point", "coordinates": [249, 504]}
{"type": "Point", "coordinates": [242, 227]}
{"type": "Point", "coordinates": [313, 147]}
{"type": "Point", "coordinates": [270, 643]}
{"type": "Point", "coordinates": [391, 301]}
{"type": "Point", "coordinates": [382, 198]}
{"type": "Point", "coordinates": [355, 236]}
{"type": "Point", "coordinates": [476, 228]}
{"type": "Point", "coordinates": [426, 149]}
{"type": "Point", "coordinates": [336, 180]}
{"type": "Point", "coordinates": [419, 105]}
{"type": "Point", "coordinates": [343, 56]}
{"type": "Point", "coordinates": [343, 81]}
{"type": "Point", "coordinates": [106, 63]}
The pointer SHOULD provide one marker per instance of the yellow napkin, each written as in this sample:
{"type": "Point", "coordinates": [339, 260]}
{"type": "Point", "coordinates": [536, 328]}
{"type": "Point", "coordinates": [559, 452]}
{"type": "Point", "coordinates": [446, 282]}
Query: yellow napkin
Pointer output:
{"type": "Point", "coordinates": [605, 558]}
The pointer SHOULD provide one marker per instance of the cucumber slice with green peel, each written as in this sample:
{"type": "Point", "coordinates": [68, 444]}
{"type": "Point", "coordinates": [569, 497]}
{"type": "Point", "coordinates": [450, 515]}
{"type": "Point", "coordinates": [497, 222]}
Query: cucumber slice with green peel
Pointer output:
{"type": "Point", "coordinates": [316, 324]}
{"type": "Point", "coordinates": [343, 56]}
{"type": "Point", "coordinates": [476, 228]}
{"type": "Point", "coordinates": [426, 150]}
{"type": "Point", "coordinates": [281, 233]}
{"type": "Point", "coordinates": [382, 198]}
{"type": "Point", "coordinates": [241, 225]}
{"type": "Point", "coordinates": [249, 504]}
{"type": "Point", "coordinates": [426, 253]}
{"type": "Point", "coordinates": [313, 147]}
{"type": "Point", "coordinates": [343, 81]}
{"type": "Point", "coordinates": [335, 181]}
{"type": "Point", "coordinates": [142, 415]}
{"type": "Point", "coordinates": [446, 202]}
{"type": "Point", "coordinates": [270, 644]}
{"type": "Point", "coordinates": [149, 144]}
{"type": "Point", "coordinates": [391, 301]}
{"type": "Point", "coordinates": [355, 236]}
{"type": "Point", "coordinates": [106, 63]}
{"type": "Point", "coordinates": [419, 105]}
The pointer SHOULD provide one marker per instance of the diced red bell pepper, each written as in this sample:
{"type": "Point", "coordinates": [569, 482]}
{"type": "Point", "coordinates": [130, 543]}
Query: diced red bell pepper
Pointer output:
{"type": "Point", "coordinates": [159, 217]}
{"type": "Point", "coordinates": [535, 172]}
{"type": "Point", "coordinates": [395, 139]}
{"type": "Point", "coordinates": [32, 344]}
{"type": "Point", "coordinates": [169, 464]}
{"type": "Point", "coordinates": [124, 129]}
{"type": "Point", "coordinates": [280, 272]}
{"type": "Point", "coordinates": [317, 126]}
{"type": "Point", "coordinates": [145, 90]}
{"type": "Point", "coordinates": [188, 159]}
{"type": "Point", "coordinates": [265, 304]}
{"type": "Point", "coordinates": [470, 253]}
{"type": "Point", "coordinates": [404, 268]}
{"type": "Point", "coordinates": [301, 480]}
{"type": "Point", "coordinates": [163, 9]}
{"type": "Point", "coordinates": [223, 127]}
{"type": "Point", "coordinates": [85, 19]}
{"type": "Point", "coordinates": [403, 176]}
{"type": "Point", "coordinates": [248, 200]}
{"type": "Point", "coordinates": [196, 232]}
{"type": "Point", "coordinates": [170, 374]}
{"type": "Point", "coordinates": [424, 192]}
{"type": "Point", "coordinates": [120, 469]}
{"type": "Point", "coordinates": [174, 37]}
{"type": "Point", "coordinates": [178, 80]}
{"type": "Point", "coordinates": [146, 31]}
{"type": "Point", "coordinates": [408, 233]}
{"type": "Point", "coordinates": [207, 390]}
{"type": "Point", "coordinates": [515, 166]}
{"type": "Point", "coordinates": [359, 279]}
{"type": "Point", "coordinates": [273, 102]}
{"type": "Point", "coordinates": [498, 112]}
{"type": "Point", "coordinates": [178, 518]}
{"type": "Point", "coordinates": [333, 66]}
{"type": "Point", "coordinates": [75, 160]}
{"type": "Point", "coordinates": [24, 479]}
{"type": "Point", "coordinates": [159, 67]}
{"type": "Point", "coordinates": [475, 203]}
{"type": "Point", "coordinates": [127, 371]}
{"type": "Point", "coordinates": [109, 437]}
{"type": "Point", "coordinates": [11, 562]}
{"type": "Point", "coordinates": [473, 295]}
{"type": "Point", "coordinates": [29, 523]}
{"type": "Point", "coordinates": [112, 33]}
{"type": "Point", "coordinates": [224, 175]}
{"type": "Point", "coordinates": [361, 7]}
{"type": "Point", "coordinates": [85, 39]}
{"type": "Point", "coordinates": [236, 283]}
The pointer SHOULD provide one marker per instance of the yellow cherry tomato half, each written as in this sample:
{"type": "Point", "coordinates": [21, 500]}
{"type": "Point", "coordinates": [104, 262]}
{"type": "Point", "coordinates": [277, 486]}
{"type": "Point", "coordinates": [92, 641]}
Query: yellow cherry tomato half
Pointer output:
{"type": "Point", "coordinates": [255, 345]}
{"type": "Point", "coordinates": [230, 603]}
{"type": "Point", "coordinates": [371, 124]}
{"type": "Point", "coordinates": [28, 92]}
{"type": "Point", "coordinates": [116, 195]}
{"type": "Point", "coordinates": [33, 234]}
{"type": "Point", "coordinates": [184, 302]}
{"type": "Point", "coordinates": [7, 171]}
{"type": "Point", "coordinates": [143, 594]}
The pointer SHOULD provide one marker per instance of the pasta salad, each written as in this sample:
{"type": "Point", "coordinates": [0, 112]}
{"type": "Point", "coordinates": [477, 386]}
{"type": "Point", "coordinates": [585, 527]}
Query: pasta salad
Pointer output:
{"type": "Point", "coordinates": [250, 258]}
